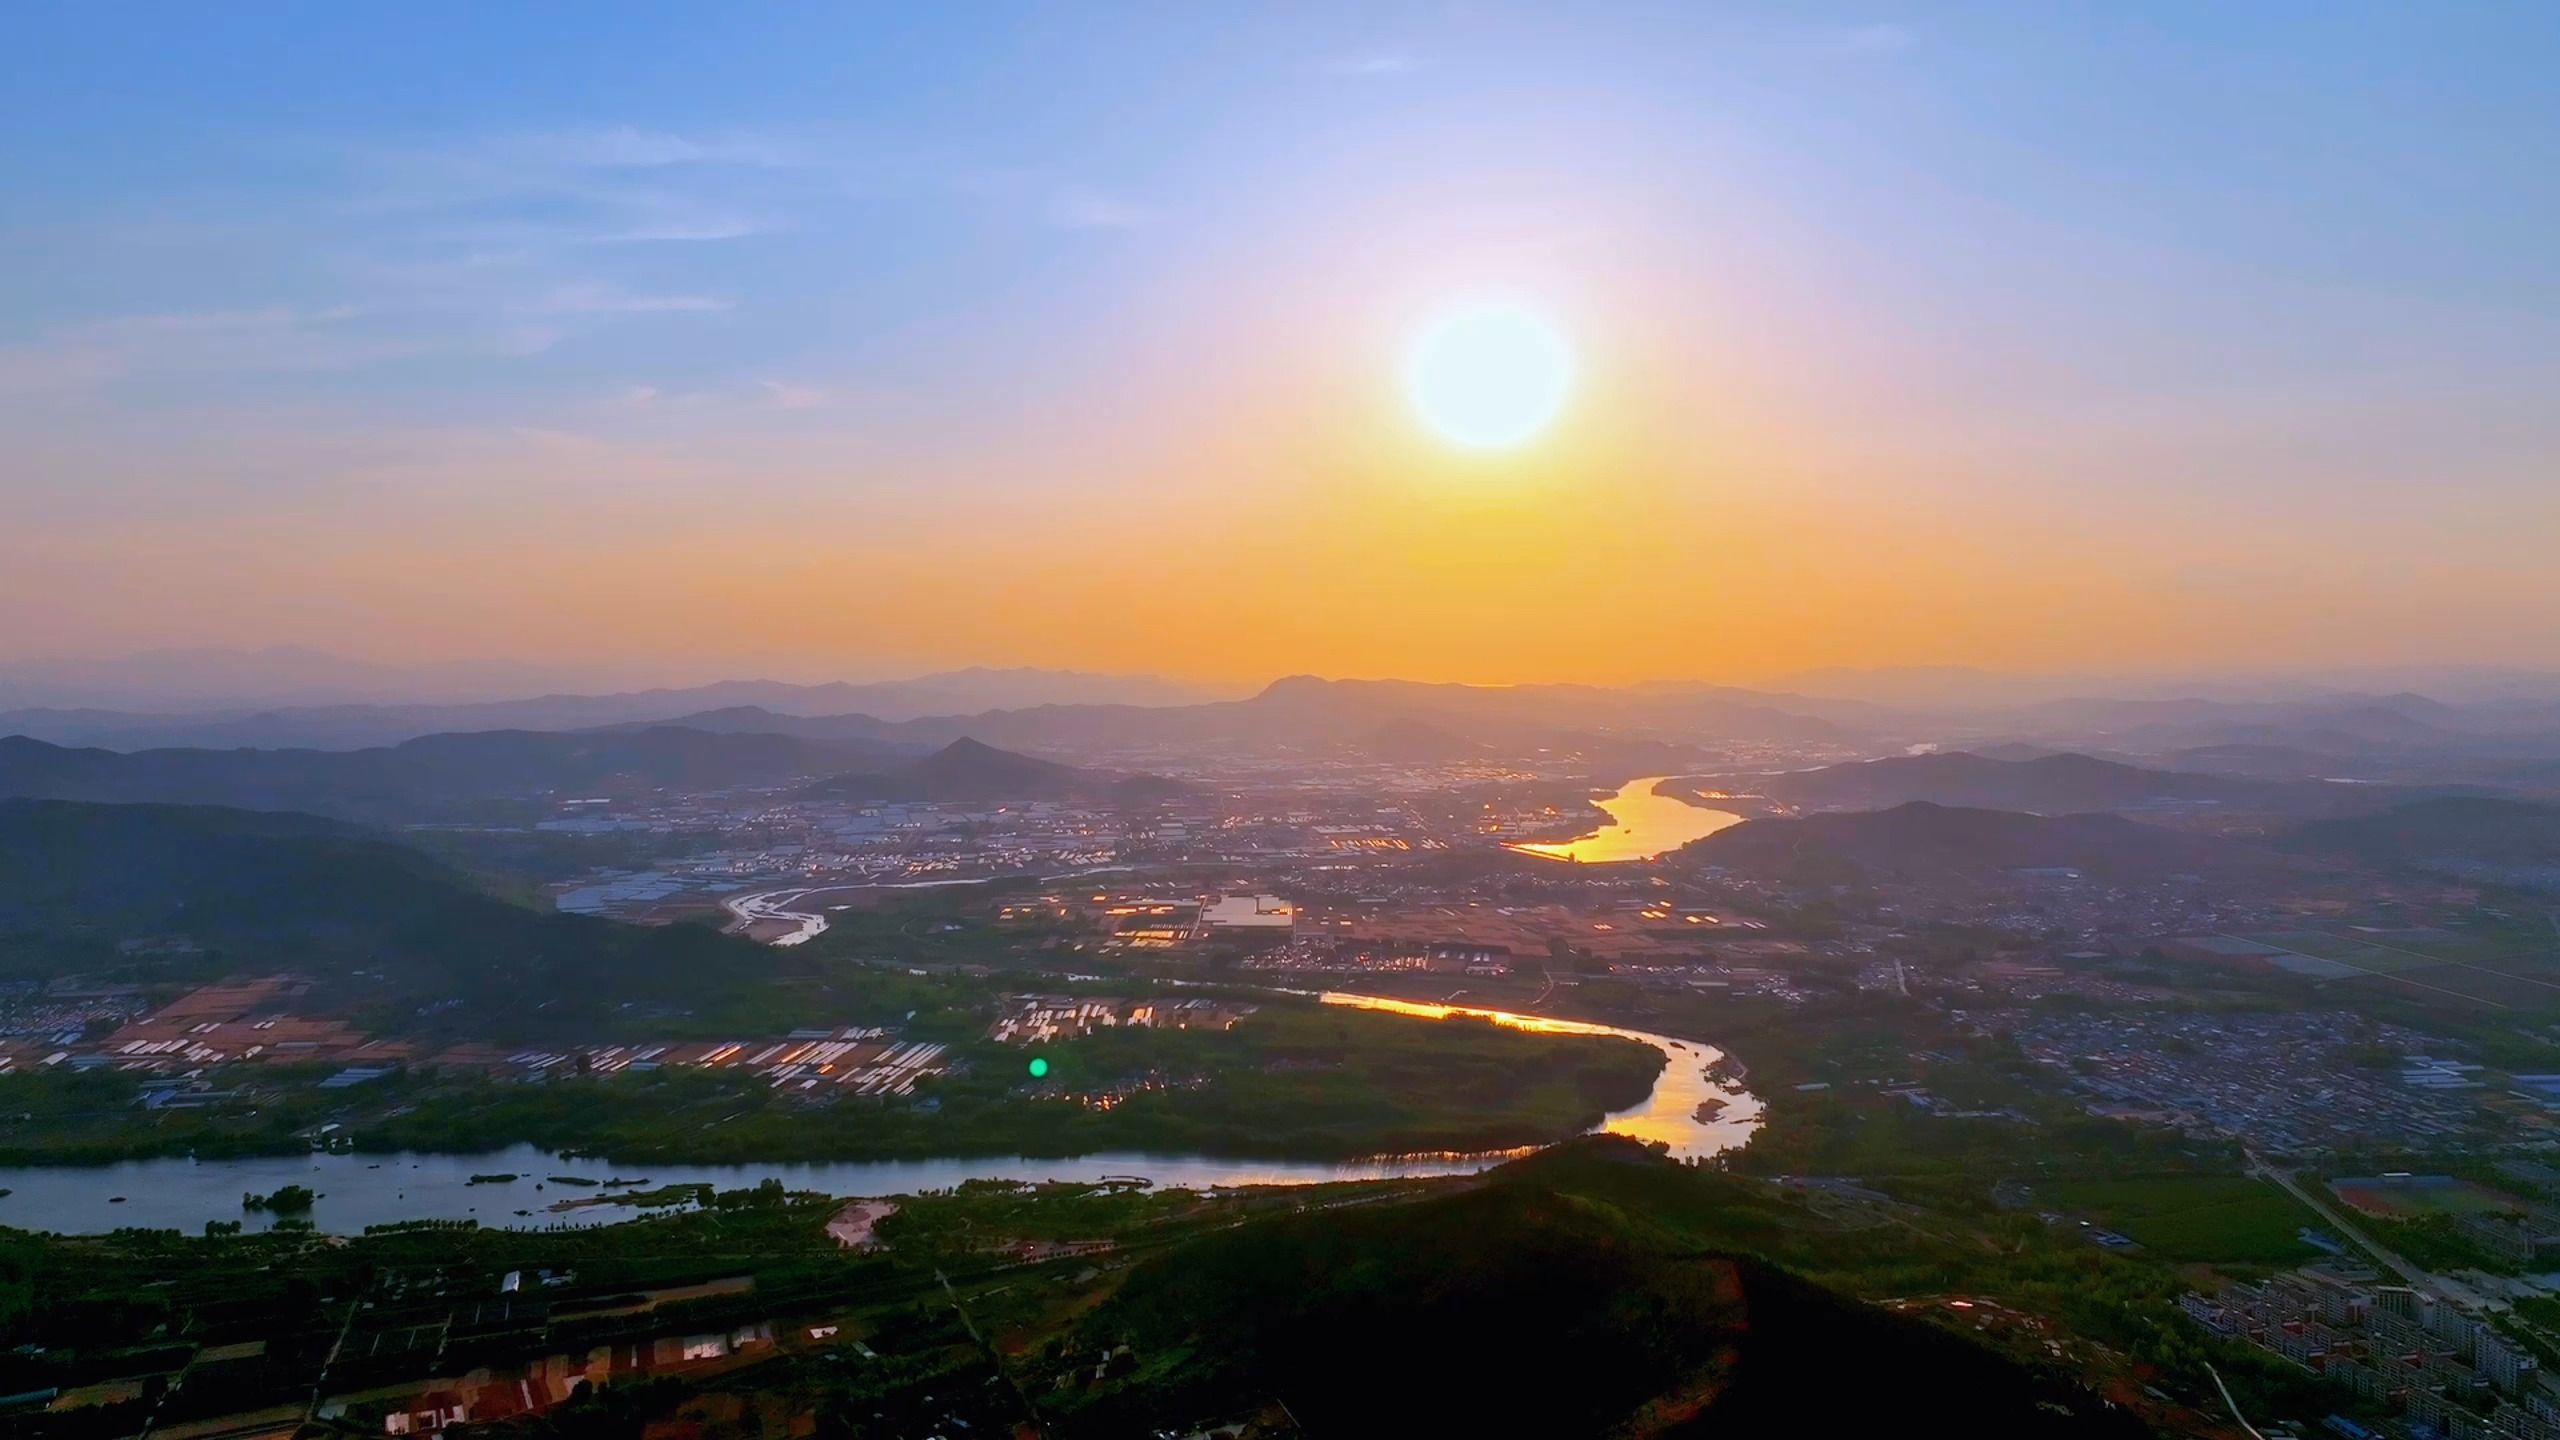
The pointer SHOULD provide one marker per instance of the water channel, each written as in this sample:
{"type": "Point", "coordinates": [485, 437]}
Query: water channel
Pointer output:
{"type": "Point", "coordinates": [1689, 1110]}
{"type": "Point", "coordinates": [1641, 826]}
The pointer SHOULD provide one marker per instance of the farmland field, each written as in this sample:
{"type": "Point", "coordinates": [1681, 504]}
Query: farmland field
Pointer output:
{"type": "Point", "coordinates": [2222, 1218]}
{"type": "Point", "coordinates": [2498, 969]}
{"type": "Point", "coordinates": [2362, 955]}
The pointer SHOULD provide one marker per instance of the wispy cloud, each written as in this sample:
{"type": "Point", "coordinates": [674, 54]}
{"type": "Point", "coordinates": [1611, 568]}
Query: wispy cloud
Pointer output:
{"type": "Point", "coordinates": [726, 400]}
{"type": "Point", "coordinates": [1372, 64]}
{"type": "Point", "coordinates": [271, 340]}
{"type": "Point", "coordinates": [1081, 209]}
{"type": "Point", "coordinates": [501, 247]}
{"type": "Point", "coordinates": [599, 299]}
{"type": "Point", "coordinates": [614, 184]}
{"type": "Point", "coordinates": [286, 340]}
{"type": "Point", "coordinates": [1870, 39]}
{"type": "Point", "coordinates": [626, 147]}
{"type": "Point", "coordinates": [702, 227]}
{"type": "Point", "coordinates": [784, 395]}
{"type": "Point", "coordinates": [1045, 197]}
{"type": "Point", "coordinates": [521, 340]}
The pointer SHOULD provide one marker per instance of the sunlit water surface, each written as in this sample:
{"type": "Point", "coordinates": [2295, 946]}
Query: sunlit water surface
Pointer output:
{"type": "Point", "coordinates": [1642, 825]}
{"type": "Point", "coordinates": [360, 1189]}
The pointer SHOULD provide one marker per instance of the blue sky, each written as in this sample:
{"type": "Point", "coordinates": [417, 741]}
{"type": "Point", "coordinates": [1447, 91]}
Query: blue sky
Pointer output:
{"type": "Point", "coordinates": [370, 278]}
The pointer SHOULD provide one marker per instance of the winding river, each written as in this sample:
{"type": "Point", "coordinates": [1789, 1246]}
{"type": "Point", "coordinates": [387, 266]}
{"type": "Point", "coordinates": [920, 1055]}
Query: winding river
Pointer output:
{"type": "Point", "coordinates": [1688, 1110]}
{"type": "Point", "coordinates": [1641, 826]}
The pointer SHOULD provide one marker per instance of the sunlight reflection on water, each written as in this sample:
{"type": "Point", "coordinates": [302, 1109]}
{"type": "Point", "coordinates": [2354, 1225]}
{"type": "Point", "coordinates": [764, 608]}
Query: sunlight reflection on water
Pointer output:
{"type": "Point", "coordinates": [1645, 825]}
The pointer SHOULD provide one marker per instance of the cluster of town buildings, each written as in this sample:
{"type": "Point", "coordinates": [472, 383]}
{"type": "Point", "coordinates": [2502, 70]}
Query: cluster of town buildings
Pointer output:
{"type": "Point", "coordinates": [721, 845]}
{"type": "Point", "coordinates": [486, 1397]}
{"type": "Point", "coordinates": [246, 1020]}
{"type": "Point", "coordinates": [1039, 1019]}
{"type": "Point", "coordinates": [2444, 1372]}
{"type": "Point", "coordinates": [2283, 1082]}
{"type": "Point", "coordinates": [851, 1061]}
{"type": "Point", "coordinates": [253, 1021]}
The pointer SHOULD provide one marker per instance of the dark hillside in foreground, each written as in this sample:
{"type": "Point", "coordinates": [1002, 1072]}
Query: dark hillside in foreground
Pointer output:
{"type": "Point", "coordinates": [1552, 1300]}
{"type": "Point", "coordinates": [246, 891]}
{"type": "Point", "coordinates": [1942, 842]}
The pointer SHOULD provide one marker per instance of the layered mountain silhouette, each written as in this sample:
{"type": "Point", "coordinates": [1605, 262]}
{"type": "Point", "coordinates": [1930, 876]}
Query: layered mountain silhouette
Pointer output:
{"type": "Point", "coordinates": [2490, 837]}
{"type": "Point", "coordinates": [87, 704]}
{"type": "Point", "coordinates": [433, 775]}
{"type": "Point", "coordinates": [971, 770]}
{"type": "Point", "coordinates": [262, 891]}
{"type": "Point", "coordinates": [446, 775]}
{"type": "Point", "coordinates": [2056, 784]}
{"type": "Point", "coordinates": [1924, 841]}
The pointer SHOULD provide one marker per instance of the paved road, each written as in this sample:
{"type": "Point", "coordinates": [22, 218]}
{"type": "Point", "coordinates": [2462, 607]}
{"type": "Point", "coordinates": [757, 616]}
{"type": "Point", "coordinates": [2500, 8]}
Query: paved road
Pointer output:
{"type": "Point", "coordinates": [2234, 1404]}
{"type": "Point", "coordinates": [2400, 1265]}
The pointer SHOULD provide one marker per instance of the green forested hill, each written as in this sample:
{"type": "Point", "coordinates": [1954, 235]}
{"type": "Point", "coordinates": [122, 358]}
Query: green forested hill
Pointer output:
{"type": "Point", "coordinates": [211, 890]}
{"type": "Point", "coordinates": [433, 776]}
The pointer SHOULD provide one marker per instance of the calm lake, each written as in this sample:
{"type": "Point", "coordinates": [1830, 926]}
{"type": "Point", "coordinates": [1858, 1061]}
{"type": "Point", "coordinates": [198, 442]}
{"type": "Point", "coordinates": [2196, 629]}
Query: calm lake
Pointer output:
{"type": "Point", "coordinates": [1642, 825]}
{"type": "Point", "coordinates": [360, 1190]}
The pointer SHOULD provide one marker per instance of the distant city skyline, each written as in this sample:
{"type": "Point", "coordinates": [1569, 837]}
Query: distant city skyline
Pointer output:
{"type": "Point", "coordinates": [2169, 339]}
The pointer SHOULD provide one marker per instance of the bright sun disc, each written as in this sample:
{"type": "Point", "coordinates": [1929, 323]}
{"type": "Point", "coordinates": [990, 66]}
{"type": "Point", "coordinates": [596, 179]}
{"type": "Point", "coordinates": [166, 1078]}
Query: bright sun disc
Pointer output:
{"type": "Point", "coordinates": [1489, 377]}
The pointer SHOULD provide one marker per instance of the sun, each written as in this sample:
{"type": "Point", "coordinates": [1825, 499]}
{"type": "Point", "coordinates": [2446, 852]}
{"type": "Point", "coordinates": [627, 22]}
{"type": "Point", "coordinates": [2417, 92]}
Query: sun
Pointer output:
{"type": "Point", "coordinates": [1489, 376]}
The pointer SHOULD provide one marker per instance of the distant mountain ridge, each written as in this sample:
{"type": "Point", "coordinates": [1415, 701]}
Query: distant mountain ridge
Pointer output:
{"type": "Point", "coordinates": [1024, 709]}
{"type": "Point", "coordinates": [2506, 738]}
{"type": "Point", "coordinates": [438, 776]}
{"type": "Point", "coordinates": [1924, 841]}
{"type": "Point", "coordinates": [432, 775]}
{"type": "Point", "coordinates": [269, 891]}
{"type": "Point", "coordinates": [969, 770]}
{"type": "Point", "coordinates": [2474, 837]}
{"type": "Point", "coordinates": [2053, 784]}
{"type": "Point", "coordinates": [364, 724]}
{"type": "Point", "coordinates": [1953, 688]}
{"type": "Point", "coordinates": [1382, 719]}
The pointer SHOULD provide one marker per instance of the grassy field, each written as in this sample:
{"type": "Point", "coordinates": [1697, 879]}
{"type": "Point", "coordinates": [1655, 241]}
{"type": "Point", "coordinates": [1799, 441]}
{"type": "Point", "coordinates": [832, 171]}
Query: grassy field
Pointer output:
{"type": "Point", "coordinates": [2227, 1219]}
{"type": "Point", "coordinates": [2498, 968]}
{"type": "Point", "coordinates": [2361, 954]}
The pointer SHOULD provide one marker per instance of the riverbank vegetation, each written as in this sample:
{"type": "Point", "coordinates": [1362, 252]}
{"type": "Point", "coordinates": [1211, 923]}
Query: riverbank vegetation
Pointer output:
{"type": "Point", "coordinates": [1293, 1080]}
{"type": "Point", "coordinates": [1667, 1291]}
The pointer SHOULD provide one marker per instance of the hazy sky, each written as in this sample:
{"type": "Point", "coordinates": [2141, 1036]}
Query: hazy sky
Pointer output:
{"type": "Point", "coordinates": [2037, 335]}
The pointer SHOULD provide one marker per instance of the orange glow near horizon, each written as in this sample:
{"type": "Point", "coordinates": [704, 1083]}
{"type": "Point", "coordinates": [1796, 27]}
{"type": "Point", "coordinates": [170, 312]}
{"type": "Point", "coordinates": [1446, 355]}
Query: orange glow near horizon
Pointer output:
{"type": "Point", "coordinates": [1695, 512]}
{"type": "Point", "coordinates": [875, 349]}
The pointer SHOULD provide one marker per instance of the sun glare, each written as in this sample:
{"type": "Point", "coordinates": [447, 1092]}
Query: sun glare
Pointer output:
{"type": "Point", "coordinates": [1489, 377]}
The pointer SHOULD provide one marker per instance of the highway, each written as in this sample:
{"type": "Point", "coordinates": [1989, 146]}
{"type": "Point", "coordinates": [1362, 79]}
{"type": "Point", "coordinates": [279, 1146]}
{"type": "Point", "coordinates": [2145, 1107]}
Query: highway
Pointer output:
{"type": "Point", "coordinates": [2406, 1269]}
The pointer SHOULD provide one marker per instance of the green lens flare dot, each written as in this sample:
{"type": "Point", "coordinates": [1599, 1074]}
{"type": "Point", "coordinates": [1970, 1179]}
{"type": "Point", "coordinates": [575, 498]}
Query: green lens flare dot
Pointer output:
{"type": "Point", "coordinates": [1039, 1067]}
